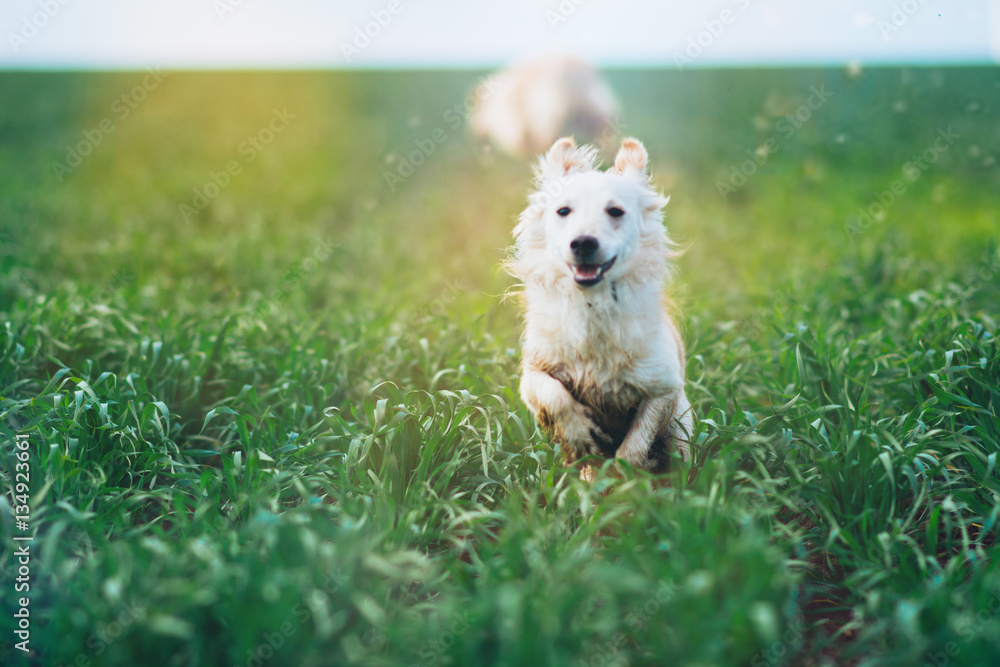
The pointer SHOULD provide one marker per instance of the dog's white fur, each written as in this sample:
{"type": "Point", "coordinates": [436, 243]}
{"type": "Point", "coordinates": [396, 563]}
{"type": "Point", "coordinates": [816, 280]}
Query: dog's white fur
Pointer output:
{"type": "Point", "coordinates": [526, 107]}
{"type": "Point", "coordinates": [603, 365]}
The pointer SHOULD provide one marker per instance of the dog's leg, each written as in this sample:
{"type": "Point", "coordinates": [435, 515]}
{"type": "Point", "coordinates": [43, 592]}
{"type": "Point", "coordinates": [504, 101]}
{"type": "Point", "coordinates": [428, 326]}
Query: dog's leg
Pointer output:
{"type": "Point", "coordinates": [568, 421]}
{"type": "Point", "coordinates": [647, 424]}
{"type": "Point", "coordinates": [665, 417]}
{"type": "Point", "coordinates": [680, 426]}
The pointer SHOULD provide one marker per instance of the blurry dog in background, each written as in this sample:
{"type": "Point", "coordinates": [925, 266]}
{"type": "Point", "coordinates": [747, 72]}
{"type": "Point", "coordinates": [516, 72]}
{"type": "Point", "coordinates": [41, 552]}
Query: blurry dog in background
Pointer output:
{"type": "Point", "coordinates": [529, 106]}
{"type": "Point", "coordinates": [603, 362]}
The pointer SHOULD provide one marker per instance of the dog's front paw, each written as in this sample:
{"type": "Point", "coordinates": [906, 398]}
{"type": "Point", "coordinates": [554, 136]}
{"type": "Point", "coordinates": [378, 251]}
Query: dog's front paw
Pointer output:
{"type": "Point", "coordinates": [652, 459]}
{"type": "Point", "coordinates": [581, 436]}
{"type": "Point", "coordinates": [600, 442]}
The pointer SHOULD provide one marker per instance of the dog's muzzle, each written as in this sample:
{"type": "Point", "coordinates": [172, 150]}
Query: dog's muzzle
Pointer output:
{"type": "Point", "coordinates": [587, 267]}
{"type": "Point", "coordinates": [589, 275]}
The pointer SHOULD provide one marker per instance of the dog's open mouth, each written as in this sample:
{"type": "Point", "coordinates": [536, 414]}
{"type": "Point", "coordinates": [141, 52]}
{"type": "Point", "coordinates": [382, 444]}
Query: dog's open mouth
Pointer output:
{"type": "Point", "coordinates": [591, 274]}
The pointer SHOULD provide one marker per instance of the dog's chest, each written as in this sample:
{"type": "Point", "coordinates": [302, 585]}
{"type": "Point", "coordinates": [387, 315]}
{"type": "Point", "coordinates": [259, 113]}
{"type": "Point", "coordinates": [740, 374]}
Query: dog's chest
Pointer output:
{"type": "Point", "coordinates": [597, 338]}
{"type": "Point", "coordinates": [600, 355]}
{"type": "Point", "coordinates": [607, 348]}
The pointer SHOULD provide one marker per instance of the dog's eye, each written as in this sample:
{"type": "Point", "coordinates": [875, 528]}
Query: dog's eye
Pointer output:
{"type": "Point", "coordinates": [564, 211]}
{"type": "Point", "coordinates": [615, 212]}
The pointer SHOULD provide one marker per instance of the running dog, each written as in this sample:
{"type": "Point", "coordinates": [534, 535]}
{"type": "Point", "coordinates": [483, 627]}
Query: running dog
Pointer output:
{"type": "Point", "coordinates": [526, 107]}
{"type": "Point", "coordinates": [602, 360]}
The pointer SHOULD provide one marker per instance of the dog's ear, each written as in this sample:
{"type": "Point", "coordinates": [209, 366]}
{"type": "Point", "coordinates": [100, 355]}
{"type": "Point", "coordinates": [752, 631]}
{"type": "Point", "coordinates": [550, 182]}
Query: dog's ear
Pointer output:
{"type": "Point", "coordinates": [565, 157]}
{"type": "Point", "coordinates": [632, 158]}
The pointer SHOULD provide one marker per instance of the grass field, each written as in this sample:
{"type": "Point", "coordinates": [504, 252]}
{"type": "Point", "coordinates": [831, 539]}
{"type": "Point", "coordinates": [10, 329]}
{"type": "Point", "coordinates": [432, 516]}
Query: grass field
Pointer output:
{"type": "Point", "coordinates": [269, 382]}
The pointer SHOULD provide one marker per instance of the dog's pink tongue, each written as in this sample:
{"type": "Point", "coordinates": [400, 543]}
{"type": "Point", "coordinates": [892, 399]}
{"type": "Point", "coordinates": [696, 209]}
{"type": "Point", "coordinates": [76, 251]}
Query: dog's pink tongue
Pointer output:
{"type": "Point", "coordinates": [587, 271]}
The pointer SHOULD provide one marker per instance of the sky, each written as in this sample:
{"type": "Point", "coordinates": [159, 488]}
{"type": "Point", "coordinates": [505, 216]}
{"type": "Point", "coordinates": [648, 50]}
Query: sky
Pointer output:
{"type": "Point", "coordinates": [136, 34]}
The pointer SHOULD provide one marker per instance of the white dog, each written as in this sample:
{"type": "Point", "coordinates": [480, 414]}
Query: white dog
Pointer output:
{"type": "Point", "coordinates": [526, 107]}
{"type": "Point", "coordinates": [603, 362]}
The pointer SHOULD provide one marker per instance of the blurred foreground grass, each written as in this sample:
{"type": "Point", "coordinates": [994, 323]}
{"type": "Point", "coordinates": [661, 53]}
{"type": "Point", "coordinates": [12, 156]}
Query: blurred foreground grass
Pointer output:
{"type": "Point", "coordinates": [284, 429]}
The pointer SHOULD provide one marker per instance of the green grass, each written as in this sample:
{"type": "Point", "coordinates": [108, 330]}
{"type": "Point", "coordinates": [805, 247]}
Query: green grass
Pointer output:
{"type": "Point", "coordinates": [288, 432]}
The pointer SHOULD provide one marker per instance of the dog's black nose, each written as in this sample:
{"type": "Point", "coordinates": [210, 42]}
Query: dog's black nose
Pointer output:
{"type": "Point", "coordinates": [583, 247]}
